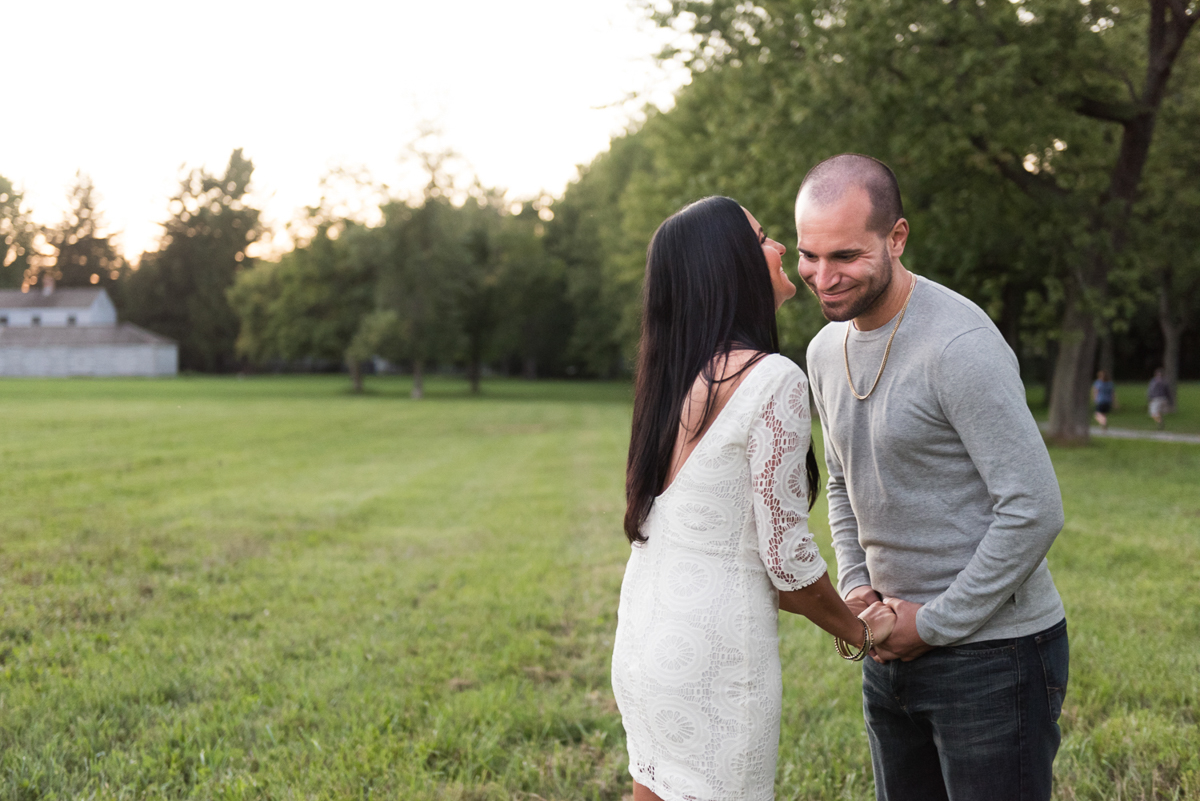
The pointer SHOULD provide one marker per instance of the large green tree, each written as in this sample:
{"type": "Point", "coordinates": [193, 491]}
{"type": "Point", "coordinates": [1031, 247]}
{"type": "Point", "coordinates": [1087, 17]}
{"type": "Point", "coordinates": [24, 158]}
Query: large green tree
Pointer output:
{"type": "Point", "coordinates": [420, 253]}
{"type": "Point", "coordinates": [180, 290]}
{"type": "Point", "coordinates": [1056, 99]}
{"type": "Point", "coordinates": [602, 248]}
{"type": "Point", "coordinates": [438, 282]}
{"type": "Point", "coordinates": [84, 254]}
{"type": "Point", "coordinates": [537, 317]}
{"type": "Point", "coordinates": [1165, 236]}
{"type": "Point", "coordinates": [16, 236]}
{"type": "Point", "coordinates": [307, 306]}
{"type": "Point", "coordinates": [477, 292]}
{"type": "Point", "coordinates": [723, 137]}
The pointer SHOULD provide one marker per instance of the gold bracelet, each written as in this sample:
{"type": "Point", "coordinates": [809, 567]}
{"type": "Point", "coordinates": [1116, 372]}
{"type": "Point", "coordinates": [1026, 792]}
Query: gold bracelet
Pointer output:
{"type": "Point", "coordinates": [846, 652]}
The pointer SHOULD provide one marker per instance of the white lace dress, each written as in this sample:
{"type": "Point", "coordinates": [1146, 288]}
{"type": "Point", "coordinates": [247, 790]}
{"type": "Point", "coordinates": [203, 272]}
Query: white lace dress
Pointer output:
{"type": "Point", "coordinates": [695, 666]}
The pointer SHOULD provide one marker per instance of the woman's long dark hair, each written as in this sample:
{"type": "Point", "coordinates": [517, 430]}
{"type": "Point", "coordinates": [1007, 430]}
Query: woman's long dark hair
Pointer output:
{"type": "Point", "coordinates": [707, 292]}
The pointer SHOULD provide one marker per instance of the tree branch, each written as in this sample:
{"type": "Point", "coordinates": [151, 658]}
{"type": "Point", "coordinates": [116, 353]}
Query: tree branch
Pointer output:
{"type": "Point", "coordinates": [1111, 111]}
{"type": "Point", "coordinates": [1180, 12]}
{"type": "Point", "coordinates": [1029, 183]}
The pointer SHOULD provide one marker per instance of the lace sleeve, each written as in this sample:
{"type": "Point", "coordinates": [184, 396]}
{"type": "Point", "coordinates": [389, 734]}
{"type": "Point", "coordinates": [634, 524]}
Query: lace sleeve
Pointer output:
{"type": "Point", "coordinates": [778, 443]}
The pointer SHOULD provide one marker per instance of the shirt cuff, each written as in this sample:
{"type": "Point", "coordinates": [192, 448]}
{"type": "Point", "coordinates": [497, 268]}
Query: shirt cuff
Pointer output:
{"type": "Point", "coordinates": [855, 583]}
{"type": "Point", "coordinates": [927, 628]}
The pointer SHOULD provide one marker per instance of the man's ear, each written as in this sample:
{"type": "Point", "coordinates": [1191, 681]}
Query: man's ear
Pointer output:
{"type": "Point", "coordinates": [898, 238]}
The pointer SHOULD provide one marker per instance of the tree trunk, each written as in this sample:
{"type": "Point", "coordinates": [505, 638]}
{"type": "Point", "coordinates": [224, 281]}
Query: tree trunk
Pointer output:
{"type": "Point", "coordinates": [1168, 28]}
{"type": "Point", "coordinates": [1073, 374]}
{"type": "Point", "coordinates": [1107, 358]}
{"type": "Point", "coordinates": [418, 389]}
{"type": "Point", "coordinates": [529, 370]}
{"type": "Point", "coordinates": [1172, 330]}
{"type": "Point", "coordinates": [1047, 375]}
{"type": "Point", "coordinates": [1010, 315]}
{"type": "Point", "coordinates": [474, 370]}
{"type": "Point", "coordinates": [356, 375]}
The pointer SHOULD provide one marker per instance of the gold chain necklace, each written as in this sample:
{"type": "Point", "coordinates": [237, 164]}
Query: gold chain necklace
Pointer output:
{"type": "Point", "coordinates": [886, 350]}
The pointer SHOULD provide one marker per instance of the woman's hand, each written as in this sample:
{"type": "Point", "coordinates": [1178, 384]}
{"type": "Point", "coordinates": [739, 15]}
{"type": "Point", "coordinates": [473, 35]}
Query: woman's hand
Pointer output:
{"type": "Point", "coordinates": [881, 618]}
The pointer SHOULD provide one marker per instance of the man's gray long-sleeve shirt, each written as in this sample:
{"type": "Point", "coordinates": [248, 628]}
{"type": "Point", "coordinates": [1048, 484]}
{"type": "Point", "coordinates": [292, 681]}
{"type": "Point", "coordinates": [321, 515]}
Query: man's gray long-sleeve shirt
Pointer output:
{"type": "Point", "coordinates": [940, 488]}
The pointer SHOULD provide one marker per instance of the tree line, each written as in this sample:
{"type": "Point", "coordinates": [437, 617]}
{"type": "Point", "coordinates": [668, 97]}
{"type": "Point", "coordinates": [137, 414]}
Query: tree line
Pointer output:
{"type": "Point", "coordinates": [437, 282]}
{"type": "Point", "coordinates": [179, 290]}
{"type": "Point", "coordinates": [1045, 150]}
{"type": "Point", "coordinates": [451, 278]}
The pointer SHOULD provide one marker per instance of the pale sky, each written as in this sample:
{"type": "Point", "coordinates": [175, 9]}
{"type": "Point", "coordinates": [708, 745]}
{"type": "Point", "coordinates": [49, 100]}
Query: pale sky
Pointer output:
{"type": "Point", "coordinates": [129, 91]}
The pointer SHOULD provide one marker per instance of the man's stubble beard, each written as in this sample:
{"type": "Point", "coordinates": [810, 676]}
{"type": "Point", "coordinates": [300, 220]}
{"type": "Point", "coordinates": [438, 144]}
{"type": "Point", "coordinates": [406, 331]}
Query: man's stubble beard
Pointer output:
{"type": "Point", "coordinates": [872, 294]}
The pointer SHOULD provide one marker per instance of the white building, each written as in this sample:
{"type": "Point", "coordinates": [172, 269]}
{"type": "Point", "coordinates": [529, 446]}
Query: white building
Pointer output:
{"type": "Point", "coordinates": [75, 332]}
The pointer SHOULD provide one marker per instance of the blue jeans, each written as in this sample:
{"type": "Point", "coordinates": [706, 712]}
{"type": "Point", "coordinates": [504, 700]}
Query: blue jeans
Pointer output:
{"type": "Point", "coordinates": [968, 722]}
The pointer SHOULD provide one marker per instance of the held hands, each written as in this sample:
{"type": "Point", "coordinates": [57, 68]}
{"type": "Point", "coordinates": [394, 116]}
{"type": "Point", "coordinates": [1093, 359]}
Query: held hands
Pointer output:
{"type": "Point", "coordinates": [859, 598]}
{"type": "Point", "coordinates": [893, 622]}
{"type": "Point", "coordinates": [904, 643]}
{"type": "Point", "coordinates": [882, 620]}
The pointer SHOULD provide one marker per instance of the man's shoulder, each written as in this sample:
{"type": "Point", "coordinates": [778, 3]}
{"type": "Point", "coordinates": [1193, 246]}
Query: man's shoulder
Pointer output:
{"type": "Point", "coordinates": [956, 335]}
{"type": "Point", "coordinates": [949, 314]}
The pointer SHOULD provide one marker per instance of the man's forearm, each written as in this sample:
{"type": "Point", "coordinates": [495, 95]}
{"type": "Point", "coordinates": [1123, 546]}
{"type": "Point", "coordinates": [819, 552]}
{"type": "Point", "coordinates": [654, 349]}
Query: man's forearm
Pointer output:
{"type": "Point", "coordinates": [843, 526]}
{"type": "Point", "coordinates": [980, 392]}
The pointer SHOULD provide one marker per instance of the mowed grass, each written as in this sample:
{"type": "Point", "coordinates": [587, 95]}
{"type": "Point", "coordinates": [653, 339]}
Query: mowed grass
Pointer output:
{"type": "Point", "coordinates": [269, 588]}
{"type": "Point", "coordinates": [1132, 410]}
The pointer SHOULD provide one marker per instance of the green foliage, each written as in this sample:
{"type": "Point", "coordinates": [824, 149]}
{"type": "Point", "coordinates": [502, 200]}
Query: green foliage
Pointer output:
{"type": "Point", "coordinates": [437, 283]}
{"type": "Point", "coordinates": [421, 251]}
{"type": "Point", "coordinates": [1165, 241]}
{"type": "Point", "coordinates": [603, 251]}
{"type": "Point", "coordinates": [309, 305]}
{"type": "Point", "coordinates": [180, 290]}
{"type": "Point", "coordinates": [269, 588]}
{"type": "Point", "coordinates": [1018, 130]}
{"type": "Point", "coordinates": [16, 236]}
{"type": "Point", "coordinates": [84, 258]}
{"type": "Point", "coordinates": [722, 138]}
{"type": "Point", "coordinates": [380, 331]}
{"type": "Point", "coordinates": [536, 318]}
{"type": "Point", "coordinates": [932, 89]}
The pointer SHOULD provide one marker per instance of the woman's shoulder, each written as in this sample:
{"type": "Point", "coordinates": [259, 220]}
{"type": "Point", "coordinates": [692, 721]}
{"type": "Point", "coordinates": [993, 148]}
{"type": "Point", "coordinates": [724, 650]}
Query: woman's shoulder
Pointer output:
{"type": "Point", "coordinates": [775, 375]}
{"type": "Point", "coordinates": [780, 390]}
{"type": "Point", "coordinates": [779, 369]}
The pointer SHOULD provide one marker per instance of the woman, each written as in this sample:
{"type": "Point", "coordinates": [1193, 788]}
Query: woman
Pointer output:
{"type": "Point", "coordinates": [720, 478]}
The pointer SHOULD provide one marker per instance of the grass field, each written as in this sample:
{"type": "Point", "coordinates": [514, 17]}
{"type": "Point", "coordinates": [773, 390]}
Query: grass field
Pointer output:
{"type": "Point", "coordinates": [1131, 411]}
{"type": "Point", "coordinates": [268, 588]}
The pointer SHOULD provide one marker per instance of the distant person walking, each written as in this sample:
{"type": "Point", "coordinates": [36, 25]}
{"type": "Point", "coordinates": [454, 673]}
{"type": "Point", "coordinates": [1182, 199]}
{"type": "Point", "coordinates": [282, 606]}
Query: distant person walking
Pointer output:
{"type": "Point", "coordinates": [720, 479]}
{"type": "Point", "coordinates": [942, 503]}
{"type": "Point", "coordinates": [1160, 398]}
{"type": "Point", "coordinates": [1104, 395]}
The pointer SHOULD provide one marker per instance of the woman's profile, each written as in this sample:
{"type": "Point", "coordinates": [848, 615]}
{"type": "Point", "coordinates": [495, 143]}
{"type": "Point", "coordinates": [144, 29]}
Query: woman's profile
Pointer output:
{"type": "Point", "coordinates": [719, 482]}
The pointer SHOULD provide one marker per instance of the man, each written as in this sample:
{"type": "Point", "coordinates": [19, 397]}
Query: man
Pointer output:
{"type": "Point", "coordinates": [1158, 396]}
{"type": "Point", "coordinates": [942, 502]}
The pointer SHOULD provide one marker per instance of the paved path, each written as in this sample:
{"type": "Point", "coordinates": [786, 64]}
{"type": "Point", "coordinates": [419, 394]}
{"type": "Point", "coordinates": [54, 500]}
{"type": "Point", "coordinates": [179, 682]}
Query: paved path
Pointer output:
{"type": "Point", "coordinates": [1132, 433]}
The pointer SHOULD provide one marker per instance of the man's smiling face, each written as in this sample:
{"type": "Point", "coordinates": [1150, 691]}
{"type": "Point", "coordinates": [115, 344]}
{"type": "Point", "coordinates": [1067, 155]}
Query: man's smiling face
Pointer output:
{"type": "Point", "coordinates": [846, 266]}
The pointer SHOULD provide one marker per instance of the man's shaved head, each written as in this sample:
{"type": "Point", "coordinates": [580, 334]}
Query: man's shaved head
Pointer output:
{"type": "Point", "coordinates": [827, 182]}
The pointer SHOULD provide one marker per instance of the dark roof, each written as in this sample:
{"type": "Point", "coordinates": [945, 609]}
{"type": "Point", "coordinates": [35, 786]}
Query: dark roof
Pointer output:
{"type": "Point", "coordinates": [79, 336]}
{"type": "Point", "coordinates": [58, 299]}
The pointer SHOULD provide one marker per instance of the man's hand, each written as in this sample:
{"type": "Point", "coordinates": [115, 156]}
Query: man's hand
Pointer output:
{"type": "Point", "coordinates": [859, 598]}
{"type": "Point", "coordinates": [905, 643]}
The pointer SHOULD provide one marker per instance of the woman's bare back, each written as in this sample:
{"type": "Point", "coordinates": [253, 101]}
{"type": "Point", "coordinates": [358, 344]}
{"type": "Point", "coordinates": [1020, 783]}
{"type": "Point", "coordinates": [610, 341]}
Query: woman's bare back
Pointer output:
{"type": "Point", "coordinates": [690, 417]}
